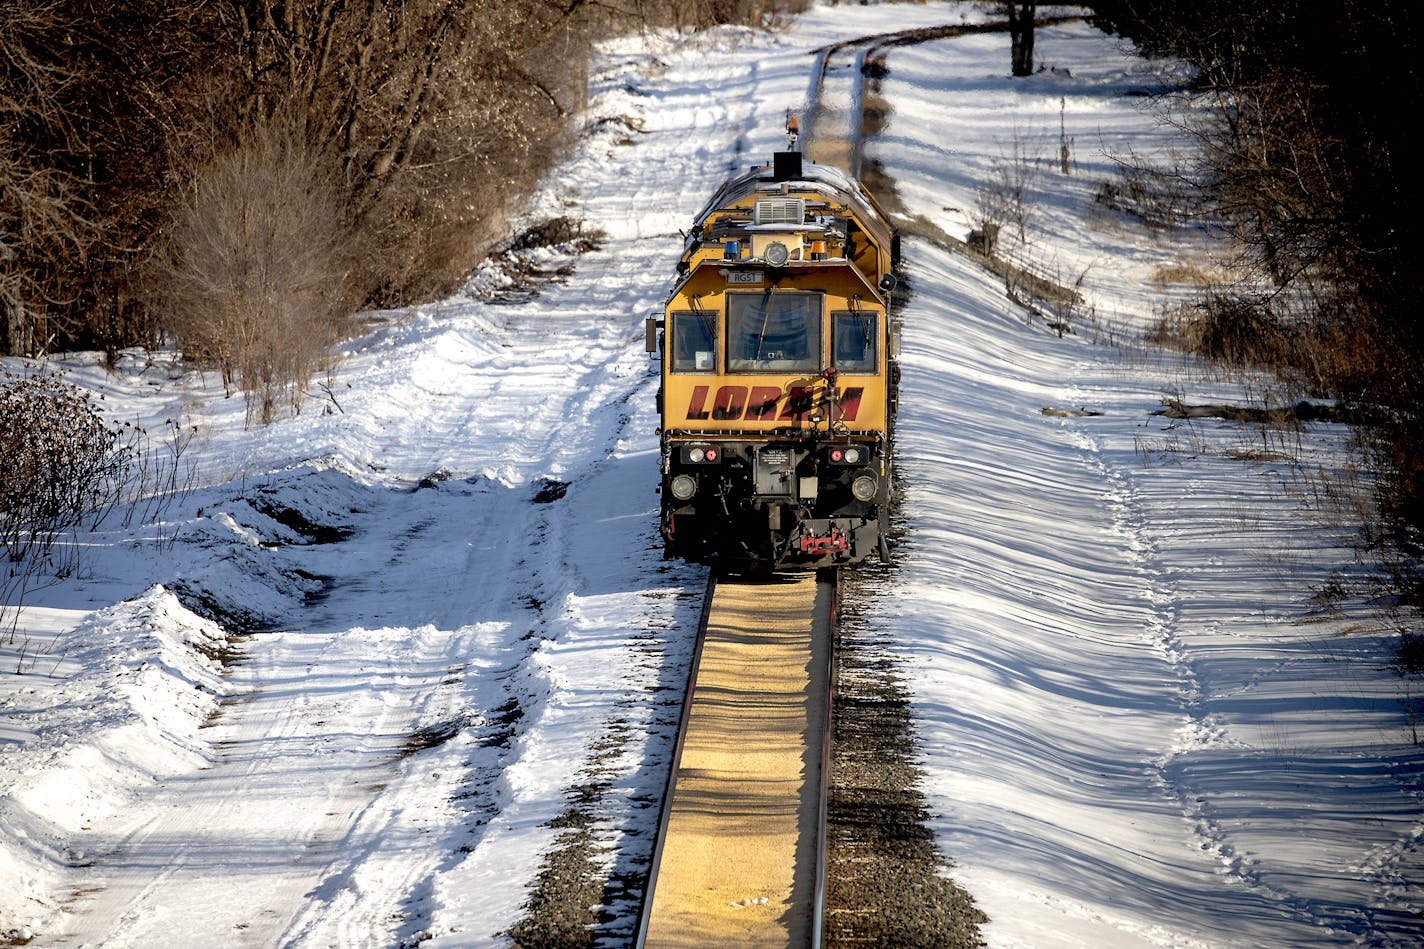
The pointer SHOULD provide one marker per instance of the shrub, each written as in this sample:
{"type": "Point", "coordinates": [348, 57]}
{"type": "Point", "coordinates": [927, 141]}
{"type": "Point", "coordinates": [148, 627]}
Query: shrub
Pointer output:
{"type": "Point", "coordinates": [63, 465]}
{"type": "Point", "coordinates": [1006, 197]}
{"type": "Point", "coordinates": [254, 277]}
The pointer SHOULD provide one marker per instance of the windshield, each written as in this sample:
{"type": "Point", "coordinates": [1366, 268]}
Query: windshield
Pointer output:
{"type": "Point", "coordinates": [774, 332]}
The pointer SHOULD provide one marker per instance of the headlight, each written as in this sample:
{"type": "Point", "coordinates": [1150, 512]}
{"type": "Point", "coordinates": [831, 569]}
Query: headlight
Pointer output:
{"type": "Point", "coordinates": [776, 254]}
{"type": "Point", "coordinates": [864, 486]}
{"type": "Point", "coordinates": [683, 487]}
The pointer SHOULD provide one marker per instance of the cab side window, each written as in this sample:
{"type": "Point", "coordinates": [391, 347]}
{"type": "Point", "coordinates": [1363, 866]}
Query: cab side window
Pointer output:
{"type": "Point", "coordinates": [694, 341]}
{"type": "Point", "coordinates": [853, 340]}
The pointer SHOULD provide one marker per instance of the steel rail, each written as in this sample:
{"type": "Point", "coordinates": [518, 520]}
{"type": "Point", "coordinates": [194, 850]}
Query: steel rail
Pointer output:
{"type": "Point", "coordinates": [665, 816]}
{"type": "Point", "coordinates": [827, 626]}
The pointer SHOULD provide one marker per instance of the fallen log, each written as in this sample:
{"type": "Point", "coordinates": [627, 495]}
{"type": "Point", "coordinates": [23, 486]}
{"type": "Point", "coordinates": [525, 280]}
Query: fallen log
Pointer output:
{"type": "Point", "coordinates": [1303, 411]}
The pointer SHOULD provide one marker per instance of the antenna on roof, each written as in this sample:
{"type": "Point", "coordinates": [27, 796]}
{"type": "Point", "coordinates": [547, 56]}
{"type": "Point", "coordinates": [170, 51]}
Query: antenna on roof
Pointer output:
{"type": "Point", "coordinates": [786, 166]}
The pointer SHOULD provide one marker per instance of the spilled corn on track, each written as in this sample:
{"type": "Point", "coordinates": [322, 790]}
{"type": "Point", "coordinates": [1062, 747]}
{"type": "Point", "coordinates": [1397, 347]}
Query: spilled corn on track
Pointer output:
{"type": "Point", "coordinates": [740, 851]}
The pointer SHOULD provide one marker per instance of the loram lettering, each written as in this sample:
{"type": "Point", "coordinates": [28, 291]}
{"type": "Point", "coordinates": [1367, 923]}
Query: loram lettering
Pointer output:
{"type": "Point", "coordinates": [764, 404]}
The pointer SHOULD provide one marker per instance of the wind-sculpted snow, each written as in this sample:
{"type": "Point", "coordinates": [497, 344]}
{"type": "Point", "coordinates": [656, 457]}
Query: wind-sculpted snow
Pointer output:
{"type": "Point", "coordinates": [1134, 728]}
{"type": "Point", "coordinates": [342, 691]}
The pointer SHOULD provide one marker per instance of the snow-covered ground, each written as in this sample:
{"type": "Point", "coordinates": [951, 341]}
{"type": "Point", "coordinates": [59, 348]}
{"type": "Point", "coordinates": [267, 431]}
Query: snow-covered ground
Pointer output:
{"type": "Point", "coordinates": [447, 608]}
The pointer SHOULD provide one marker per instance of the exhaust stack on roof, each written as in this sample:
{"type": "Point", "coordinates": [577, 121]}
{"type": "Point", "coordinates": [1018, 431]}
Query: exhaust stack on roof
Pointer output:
{"type": "Point", "coordinates": [786, 166]}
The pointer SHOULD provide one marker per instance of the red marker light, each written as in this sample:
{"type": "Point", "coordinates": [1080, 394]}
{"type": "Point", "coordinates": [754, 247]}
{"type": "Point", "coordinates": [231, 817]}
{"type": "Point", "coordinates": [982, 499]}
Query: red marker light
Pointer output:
{"type": "Point", "coordinates": [836, 454]}
{"type": "Point", "coordinates": [711, 454]}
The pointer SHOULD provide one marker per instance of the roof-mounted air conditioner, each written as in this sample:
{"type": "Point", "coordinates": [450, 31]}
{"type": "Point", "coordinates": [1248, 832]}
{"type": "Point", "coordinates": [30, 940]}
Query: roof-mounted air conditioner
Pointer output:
{"type": "Point", "coordinates": [779, 211]}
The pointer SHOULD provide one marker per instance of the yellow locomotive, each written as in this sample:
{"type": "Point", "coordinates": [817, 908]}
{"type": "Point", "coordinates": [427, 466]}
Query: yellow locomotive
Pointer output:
{"type": "Point", "coordinates": [779, 372]}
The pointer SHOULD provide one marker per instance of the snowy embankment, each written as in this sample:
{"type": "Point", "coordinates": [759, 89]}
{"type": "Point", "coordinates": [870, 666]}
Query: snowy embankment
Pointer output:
{"type": "Point", "coordinates": [1138, 727]}
{"type": "Point", "coordinates": [1140, 724]}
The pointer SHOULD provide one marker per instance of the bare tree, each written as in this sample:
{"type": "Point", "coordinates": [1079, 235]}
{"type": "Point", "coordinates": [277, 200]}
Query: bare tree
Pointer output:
{"type": "Point", "coordinates": [436, 112]}
{"type": "Point", "coordinates": [91, 102]}
{"type": "Point", "coordinates": [43, 219]}
{"type": "Point", "coordinates": [255, 276]}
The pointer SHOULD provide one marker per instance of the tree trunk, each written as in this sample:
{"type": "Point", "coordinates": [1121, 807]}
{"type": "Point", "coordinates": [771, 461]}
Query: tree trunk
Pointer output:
{"type": "Point", "coordinates": [1021, 16]}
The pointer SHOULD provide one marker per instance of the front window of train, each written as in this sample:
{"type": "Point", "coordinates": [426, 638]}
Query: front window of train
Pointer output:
{"type": "Point", "coordinates": [853, 336]}
{"type": "Point", "coordinates": [774, 332]}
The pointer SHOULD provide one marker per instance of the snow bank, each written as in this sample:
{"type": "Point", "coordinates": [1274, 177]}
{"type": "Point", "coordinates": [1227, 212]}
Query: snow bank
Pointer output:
{"type": "Point", "coordinates": [113, 704]}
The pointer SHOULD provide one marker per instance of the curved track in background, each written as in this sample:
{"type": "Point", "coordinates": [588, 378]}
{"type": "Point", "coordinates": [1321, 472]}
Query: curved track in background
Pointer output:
{"type": "Point", "coordinates": [837, 91]}
{"type": "Point", "coordinates": [843, 109]}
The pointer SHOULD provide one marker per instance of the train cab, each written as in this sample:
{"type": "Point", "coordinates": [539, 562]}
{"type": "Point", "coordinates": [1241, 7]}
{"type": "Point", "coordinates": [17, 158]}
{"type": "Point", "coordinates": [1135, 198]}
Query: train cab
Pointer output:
{"type": "Point", "coordinates": [778, 350]}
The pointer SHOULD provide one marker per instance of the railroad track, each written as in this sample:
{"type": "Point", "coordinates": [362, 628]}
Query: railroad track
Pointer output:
{"type": "Point", "coordinates": [741, 844]}
{"type": "Point", "coordinates": [833, 120]}
{"type": "Point", "coordinates": [833, 124]}
{"type": "Point", "coordinates": [740, 854]}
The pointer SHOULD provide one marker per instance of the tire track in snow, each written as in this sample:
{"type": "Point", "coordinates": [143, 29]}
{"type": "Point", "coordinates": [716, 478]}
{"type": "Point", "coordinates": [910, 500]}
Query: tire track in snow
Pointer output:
{"type": "Point", "coordinates": [216, 831]}
{"type": "Point", "coordinates": [557, 407]}
{"type": "Point", "coordinates": [291, 812]}
{"type": "Point", "coordinates": [620, 775]}
{"type": "Point", "coordinates": [374, 889]}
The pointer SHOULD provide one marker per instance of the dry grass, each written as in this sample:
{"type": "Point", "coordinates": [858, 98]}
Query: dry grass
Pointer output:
{"type": "Point", "coordinates": [1188, 273]}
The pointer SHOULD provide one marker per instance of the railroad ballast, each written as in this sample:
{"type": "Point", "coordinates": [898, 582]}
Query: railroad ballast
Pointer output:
{"type": "Point", "coordinates": [779, 357]}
